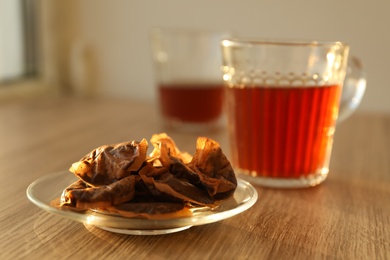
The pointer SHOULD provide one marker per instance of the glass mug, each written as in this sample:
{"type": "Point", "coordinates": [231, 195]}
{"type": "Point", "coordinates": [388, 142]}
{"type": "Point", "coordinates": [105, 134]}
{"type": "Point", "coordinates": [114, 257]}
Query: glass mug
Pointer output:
{"type": "Point", "coordinates": [187, 66]}
{"type": "Point", "coordinates": [283, 100]}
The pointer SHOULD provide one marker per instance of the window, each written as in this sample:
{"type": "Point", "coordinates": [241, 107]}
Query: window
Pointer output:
{"type": "Point", "coordinates": [17, 40]}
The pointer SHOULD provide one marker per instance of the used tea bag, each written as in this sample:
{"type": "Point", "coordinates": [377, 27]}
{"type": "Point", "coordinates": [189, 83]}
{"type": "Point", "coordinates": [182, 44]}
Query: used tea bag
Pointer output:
{"type": "Point", "coordinates": [120, 178]}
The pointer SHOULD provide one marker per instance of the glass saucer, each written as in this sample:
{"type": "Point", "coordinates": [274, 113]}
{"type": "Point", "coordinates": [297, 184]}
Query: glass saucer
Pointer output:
{"type": "Point", "coordinates": [46, 189]}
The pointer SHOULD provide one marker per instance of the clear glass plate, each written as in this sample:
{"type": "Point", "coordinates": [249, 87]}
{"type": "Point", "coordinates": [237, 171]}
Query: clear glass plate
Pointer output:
{"type": "Point", "coordinates": [46, 189]}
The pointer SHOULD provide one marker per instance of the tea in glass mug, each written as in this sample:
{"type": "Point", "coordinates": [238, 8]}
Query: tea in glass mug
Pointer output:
{"type": "Point", "coordinates": [188, 78]}
{"type": "Point", "coordinates": [283, 103]}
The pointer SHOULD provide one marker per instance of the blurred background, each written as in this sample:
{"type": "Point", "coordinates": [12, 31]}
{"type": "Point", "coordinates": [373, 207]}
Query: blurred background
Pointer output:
{"type": "Point", "coordinates": [101, 47]}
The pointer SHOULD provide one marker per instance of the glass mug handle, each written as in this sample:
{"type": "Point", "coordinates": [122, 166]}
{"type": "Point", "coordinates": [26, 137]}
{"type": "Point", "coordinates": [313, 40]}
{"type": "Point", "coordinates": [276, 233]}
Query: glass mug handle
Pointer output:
{"type": "Point", "coordinates": [353, 89]}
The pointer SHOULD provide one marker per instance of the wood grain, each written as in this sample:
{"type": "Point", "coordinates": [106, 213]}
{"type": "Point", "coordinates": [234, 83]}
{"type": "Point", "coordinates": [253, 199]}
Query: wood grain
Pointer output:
{"type": "Point", "coordinates": [346, 217]}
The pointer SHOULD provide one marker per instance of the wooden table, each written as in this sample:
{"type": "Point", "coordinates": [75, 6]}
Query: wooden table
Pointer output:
{"type": "Point", "coordinates": [346, 217]}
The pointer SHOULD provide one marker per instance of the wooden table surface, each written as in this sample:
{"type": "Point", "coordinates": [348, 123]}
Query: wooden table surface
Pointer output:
{"type": "Point", "coordinates": [346, 217]}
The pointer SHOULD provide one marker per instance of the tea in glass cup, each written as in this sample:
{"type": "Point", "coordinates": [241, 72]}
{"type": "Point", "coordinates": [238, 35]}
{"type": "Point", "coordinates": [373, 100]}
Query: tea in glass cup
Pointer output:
{"type": "Point", "coordinates": [188, 78]}
{"type": "Point", "coordinates": [283, 102]}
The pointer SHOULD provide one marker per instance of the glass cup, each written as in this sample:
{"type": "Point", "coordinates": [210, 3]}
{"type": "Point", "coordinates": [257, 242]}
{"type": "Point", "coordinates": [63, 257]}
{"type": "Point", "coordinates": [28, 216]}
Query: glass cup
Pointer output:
{"type": "Point", "coordinates": [282, 103]}
{"type": "Point", "coordinates": [188, 78]}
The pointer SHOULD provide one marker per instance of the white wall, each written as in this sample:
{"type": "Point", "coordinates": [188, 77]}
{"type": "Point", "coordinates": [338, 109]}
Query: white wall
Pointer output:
{"type": "Point", "coordinates": [104, 44]}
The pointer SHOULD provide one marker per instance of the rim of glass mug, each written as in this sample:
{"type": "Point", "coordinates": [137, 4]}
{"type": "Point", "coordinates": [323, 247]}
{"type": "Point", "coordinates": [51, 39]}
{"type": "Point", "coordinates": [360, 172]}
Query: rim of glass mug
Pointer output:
{"type": "Point", "coordinates": [289, 63]}
{"type": "Point", "coordinates": [236, 42]}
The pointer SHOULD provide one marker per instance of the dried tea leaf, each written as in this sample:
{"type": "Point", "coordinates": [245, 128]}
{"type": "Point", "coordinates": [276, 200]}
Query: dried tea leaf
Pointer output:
{"type": "Point", "coordinates": [168, 188]}
{"type": "Point", "coordinates": [83, 197]}
{"type": "Point", "coordinates": [214, 169]}
{"type": "Point", "coordinates": [152, 210]}
{"type": "Point", "coordinates": [164, 147]}
{"type": "Point", "coordinates": [110, 163]}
